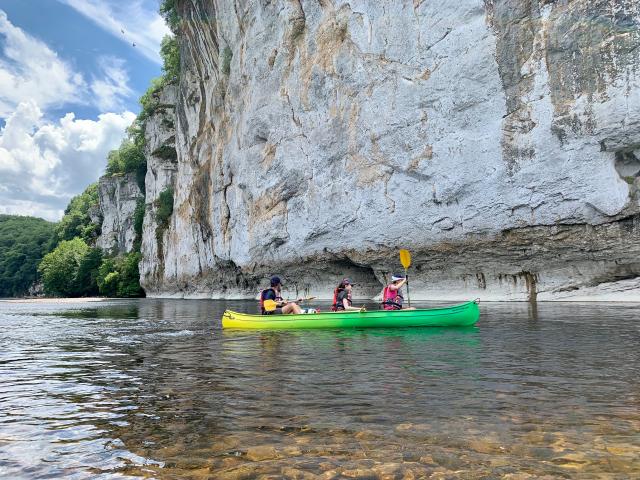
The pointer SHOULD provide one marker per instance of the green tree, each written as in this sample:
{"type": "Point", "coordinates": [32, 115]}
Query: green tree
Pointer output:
{"type": "Point", "coordinates": [169, 12]}
{"type": "Point", "coordinates": [110, 284]}
{"type": "Point", "coordinates": [164, 207]}
{"type": "Point", "coordinates": [23, 243]}
{"type": "Point", "coordinates": [115, 165]}
{"type": "Point", "coordinates": [60, 267]}
{"type": "Point", "coordinates": [120, 276]}
{"type": "Point", "coordinates": [129, 281]}
{"type": "Point", "coordinates": [129, 158]}
{"type": "Point", "coordinates": [87, 275]}
{"type": "Point", "coordinates": [107, 266]}
{"type": "Point", "coordinates": [170, 53]}
{"type": "Point", "coordinates": [76, 221]}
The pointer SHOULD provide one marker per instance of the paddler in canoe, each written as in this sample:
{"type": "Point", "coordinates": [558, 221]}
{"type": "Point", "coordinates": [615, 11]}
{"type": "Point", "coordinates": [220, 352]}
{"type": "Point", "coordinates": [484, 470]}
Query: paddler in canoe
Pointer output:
{"type": "Point", "coordinates": [392, 298]}
{"type": "Point", "coordinates": [274, 293]}
{"type": "Point", "coordinates": [342, 297]}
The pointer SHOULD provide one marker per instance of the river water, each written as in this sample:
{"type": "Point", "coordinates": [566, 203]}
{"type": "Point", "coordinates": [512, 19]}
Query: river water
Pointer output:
{"type": "Point", "coordinates": [155, 388]}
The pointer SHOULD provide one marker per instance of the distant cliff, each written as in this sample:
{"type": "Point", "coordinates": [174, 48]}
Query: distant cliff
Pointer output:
{"type": "Point", "coordinates": [499, 141]}
{"type": "Point", "coordinates": [118, 196]}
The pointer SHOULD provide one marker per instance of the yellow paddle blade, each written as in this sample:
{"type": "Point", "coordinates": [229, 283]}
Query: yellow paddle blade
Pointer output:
{"type": "Point", "coordinates": [270, 305]}
{"type": "Point", "coordinates": [405, 258]}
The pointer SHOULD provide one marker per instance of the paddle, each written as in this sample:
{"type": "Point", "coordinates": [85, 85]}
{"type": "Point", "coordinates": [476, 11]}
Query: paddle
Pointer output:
{"type": "Point", "coordinates": [405, 260]}
{"type": "Point", "coordinates": [271, 305]}
{"type": "Point", "coordinates": [306, 299]}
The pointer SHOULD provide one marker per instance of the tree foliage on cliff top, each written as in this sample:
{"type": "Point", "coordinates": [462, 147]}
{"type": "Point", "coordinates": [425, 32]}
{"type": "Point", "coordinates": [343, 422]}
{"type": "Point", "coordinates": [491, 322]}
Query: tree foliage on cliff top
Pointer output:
{"type": "Point", "coordinates": [76, 221]}
{"type": "Point", "coordinates": [169, 11]}
{"type": "Point", "coordinates": [170, 53]}
{"type": "Point", "coordinates": [23, 243]}
{"type": "Point", "coordinates": [129, 158]}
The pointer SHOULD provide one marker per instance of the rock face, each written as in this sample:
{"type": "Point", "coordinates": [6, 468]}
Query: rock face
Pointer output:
{"type": "Point", "coordinates": [499, 141]}
{"type": "Point", "coordinates": [118, 197]}
{"type": "Point", "coordinates": [161, 169]}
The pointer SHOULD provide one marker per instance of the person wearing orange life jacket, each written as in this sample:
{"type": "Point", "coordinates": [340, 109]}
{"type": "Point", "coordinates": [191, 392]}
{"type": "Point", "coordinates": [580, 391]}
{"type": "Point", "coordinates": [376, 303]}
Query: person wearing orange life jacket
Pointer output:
{"type": "Point", "coordinates": [274, 293]}
{"type": "Point", "coordinates": [342, 297]}
{"type": "Point", "coordinates": [392, 298]}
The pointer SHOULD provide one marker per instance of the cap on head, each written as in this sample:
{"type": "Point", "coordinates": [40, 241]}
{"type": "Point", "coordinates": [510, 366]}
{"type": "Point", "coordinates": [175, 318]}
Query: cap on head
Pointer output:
{"type": "Point", "coordinates": [347, 281]}
{"type": "Point", "coordinates": [275, 281]}
{"type": "Point", "coordinates": [397, 276]}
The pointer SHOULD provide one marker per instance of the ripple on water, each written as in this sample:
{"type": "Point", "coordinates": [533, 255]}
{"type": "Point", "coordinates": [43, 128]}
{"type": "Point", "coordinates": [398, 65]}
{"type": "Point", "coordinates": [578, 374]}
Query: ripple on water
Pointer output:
{"type": "Point", "coordinates": [155, 388]}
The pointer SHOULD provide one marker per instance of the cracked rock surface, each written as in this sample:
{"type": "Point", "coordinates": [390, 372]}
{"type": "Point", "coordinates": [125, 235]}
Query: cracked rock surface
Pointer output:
{"type": "Point", "coordinates": [117, 199]}
{"type": "Point", "coordinates": [498, 140]}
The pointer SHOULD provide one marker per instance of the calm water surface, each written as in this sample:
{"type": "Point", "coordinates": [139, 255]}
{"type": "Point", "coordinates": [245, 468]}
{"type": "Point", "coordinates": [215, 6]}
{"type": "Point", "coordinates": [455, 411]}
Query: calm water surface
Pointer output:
{"type": "Point", "coordinates": [154, 388]}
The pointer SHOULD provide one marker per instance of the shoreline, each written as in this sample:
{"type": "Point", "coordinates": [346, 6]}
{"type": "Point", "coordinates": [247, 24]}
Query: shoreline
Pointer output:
{"type": "Point", "coordinates": [56, 299]}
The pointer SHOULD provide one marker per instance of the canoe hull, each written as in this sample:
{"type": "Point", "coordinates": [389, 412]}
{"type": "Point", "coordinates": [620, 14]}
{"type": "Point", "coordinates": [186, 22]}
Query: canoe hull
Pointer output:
{"type": "Point", "coordinates": [461, 315]}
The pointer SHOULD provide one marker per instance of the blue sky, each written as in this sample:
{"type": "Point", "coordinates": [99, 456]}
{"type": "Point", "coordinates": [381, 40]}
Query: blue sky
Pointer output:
{"type": "Point", "coordinates": [70, 79]}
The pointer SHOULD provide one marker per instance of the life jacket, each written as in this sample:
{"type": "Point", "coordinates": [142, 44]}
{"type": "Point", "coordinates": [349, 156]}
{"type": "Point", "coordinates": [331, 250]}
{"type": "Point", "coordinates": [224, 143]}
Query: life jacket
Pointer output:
{"type": "Point", "coordinates": [391, 300]}
{"type": "Point", "coordinates": [263, 294]}
{"type": "Point", "coordinates": [335, 307]}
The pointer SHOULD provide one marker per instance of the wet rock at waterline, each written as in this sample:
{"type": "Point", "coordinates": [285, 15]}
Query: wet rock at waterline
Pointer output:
{"type": "Point", "coordinates": [499, 141]}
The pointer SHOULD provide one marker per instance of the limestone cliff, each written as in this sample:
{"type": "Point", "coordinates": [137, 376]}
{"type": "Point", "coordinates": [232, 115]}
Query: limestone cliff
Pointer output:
{"type": "Point", "coordinates": [118, 196]}
{"type": "Point", "coordinates": [499, 141]}
{"type": "Point", "coordinates": [161, 169]}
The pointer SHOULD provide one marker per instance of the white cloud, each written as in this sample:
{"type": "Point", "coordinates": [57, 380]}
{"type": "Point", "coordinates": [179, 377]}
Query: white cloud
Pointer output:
{"type": "Point", "coordinates": [111, 89]}
{"type": "Point", "coordinates": [30, 70]}
{"type": "Point", "coordinates": [33, 209]}
{"type": "Point", "coordinates": [42, 165]}
{"type": "Point", "coordinates": [141, 25]}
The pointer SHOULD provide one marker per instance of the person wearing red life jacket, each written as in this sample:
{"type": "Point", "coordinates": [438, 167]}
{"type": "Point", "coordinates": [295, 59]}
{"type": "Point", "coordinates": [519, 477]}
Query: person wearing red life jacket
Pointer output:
{"type": "Point", "coordinates": [274, 293]}
{"type": "Point", "coordinates": [392, 298]}
{"type": "Point", "coordinates": [342, 297]}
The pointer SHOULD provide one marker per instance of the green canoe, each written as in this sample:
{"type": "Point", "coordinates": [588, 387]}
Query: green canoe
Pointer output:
{"type": "Point", "coordinates": [464, 314]}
